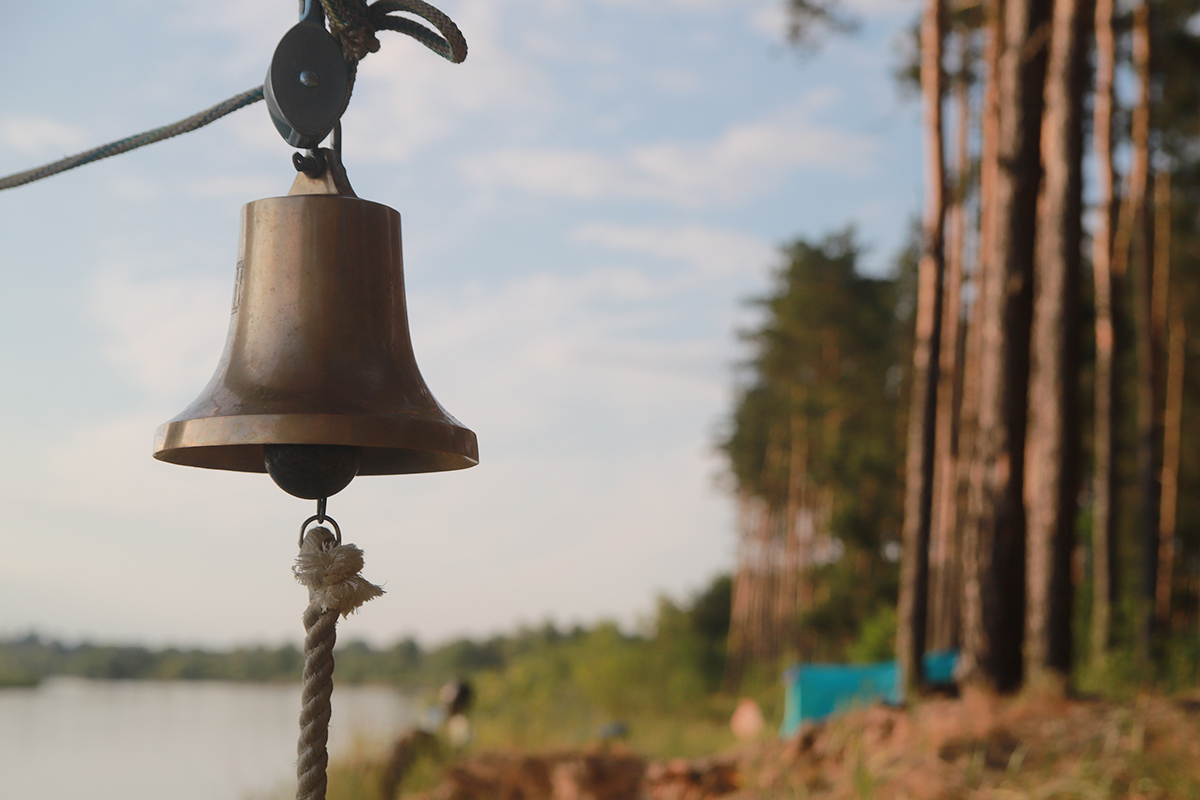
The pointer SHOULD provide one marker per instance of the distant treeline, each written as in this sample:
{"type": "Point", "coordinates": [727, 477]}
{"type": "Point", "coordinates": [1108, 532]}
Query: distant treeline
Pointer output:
{"type": "Point", "coordinates": [406, 664]}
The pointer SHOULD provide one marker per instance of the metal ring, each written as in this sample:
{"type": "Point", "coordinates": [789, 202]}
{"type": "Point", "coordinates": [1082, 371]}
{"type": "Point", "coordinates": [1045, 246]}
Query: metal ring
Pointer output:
{"type": "Point", "coordinates": [328, 519]}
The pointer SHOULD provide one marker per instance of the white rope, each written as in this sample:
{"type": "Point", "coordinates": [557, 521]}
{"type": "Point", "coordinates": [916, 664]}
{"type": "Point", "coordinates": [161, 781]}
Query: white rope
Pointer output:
{"type": "Point", "coordinates": [330, 571]}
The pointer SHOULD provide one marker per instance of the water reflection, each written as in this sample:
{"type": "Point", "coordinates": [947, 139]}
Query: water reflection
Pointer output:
{"type": "Point", "coordinates": [146, 740]}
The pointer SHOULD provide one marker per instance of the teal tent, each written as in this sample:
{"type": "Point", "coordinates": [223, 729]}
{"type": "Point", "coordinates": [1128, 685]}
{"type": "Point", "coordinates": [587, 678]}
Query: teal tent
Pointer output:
{"type": "Point", "coordinates": [815, 691]}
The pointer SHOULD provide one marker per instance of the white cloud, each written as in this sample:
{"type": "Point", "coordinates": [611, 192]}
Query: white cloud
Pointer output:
{"type": "Point", "coordinates": [164, 333]}
{"type": "Point", "coordinates": [240, 188]}
{"type": "Point", "coordinates": [406, 98]}
{"type": "Point", "coordinates": [678, 81]}
{"type": "Point", "coordinates": [748, 159]}
{"type": "Point", "coordinates": [130, 187]}
{"type": "Point", "coordinates": [252, 27]}
{"type": "Point", "coordinates": [709, 251]}
{"type": "Point", "coordinates": [691, 6]}
{"type": "Point", "coordinates": [537, 358]}
{"type": "Point", "coordinates": [40, 136]}
{"type": "Point", "coordinates": [883, 9]}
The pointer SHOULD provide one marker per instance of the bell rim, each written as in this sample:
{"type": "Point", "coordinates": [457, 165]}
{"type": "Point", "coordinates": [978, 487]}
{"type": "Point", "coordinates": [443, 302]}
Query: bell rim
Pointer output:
{"type": "Point", "coordinates": [391, 445]}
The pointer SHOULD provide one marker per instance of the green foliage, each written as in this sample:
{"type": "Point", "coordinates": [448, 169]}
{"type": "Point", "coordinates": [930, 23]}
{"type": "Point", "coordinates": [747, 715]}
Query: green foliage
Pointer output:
{"type": "Point", "coordinates": [34, 658]}
{"type": "Point", "coordinates": [710, 622]}
{"type": "Point", "coordinates": [808, 20]}
{"type": "Point", "coordinates": [877, 639]}
{"type": "Point", "coordinates": [820, 407]}
{"type": "Point", "coordinates": [557, 690]}
{"type": "Point", "coordinates": [825, 355]}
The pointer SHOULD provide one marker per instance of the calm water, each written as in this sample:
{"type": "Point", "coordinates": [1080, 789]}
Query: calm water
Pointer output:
{"type": "Point", "coordinates": [143, 740]}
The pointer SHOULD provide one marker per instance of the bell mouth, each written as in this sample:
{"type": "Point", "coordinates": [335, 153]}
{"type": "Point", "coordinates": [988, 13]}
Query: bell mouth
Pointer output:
{"type": "Point", "coordinates": [387, 445]}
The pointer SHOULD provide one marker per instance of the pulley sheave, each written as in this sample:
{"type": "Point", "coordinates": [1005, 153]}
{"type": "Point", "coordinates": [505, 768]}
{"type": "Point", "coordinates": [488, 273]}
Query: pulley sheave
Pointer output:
{"type": "Point", "coordinates": [308, 83]}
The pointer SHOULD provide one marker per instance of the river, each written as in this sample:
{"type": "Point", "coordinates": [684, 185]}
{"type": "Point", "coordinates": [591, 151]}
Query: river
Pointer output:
{"type": "Point", "coordinates": [71, 738]}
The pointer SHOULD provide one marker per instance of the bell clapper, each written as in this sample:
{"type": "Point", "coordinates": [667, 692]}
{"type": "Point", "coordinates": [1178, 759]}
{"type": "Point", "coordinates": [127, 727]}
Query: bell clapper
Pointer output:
{"type": "Point", "coordinates": [311, 471]}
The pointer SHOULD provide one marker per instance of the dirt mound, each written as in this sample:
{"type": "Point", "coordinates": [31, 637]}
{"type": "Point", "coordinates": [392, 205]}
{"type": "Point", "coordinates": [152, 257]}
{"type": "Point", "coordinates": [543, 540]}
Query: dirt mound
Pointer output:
{"type": "Point", "coordinates": [983, 748]}
{"type": "Point", "coordinates": [978, 747]}
{"type": "Point", "coordinates": [585, 776]}
{"type": "Point", "coordinates": [557, 776]}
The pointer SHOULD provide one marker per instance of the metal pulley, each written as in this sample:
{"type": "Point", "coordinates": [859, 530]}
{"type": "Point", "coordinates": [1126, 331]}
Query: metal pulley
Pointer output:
{"type": "Point", "coordinates": [308, 83]}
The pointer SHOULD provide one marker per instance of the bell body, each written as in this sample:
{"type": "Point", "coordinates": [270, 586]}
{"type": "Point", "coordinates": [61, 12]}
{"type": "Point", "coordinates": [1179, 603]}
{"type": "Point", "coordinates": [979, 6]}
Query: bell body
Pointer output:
{"type": "Point", "coordinates": [318, 351]}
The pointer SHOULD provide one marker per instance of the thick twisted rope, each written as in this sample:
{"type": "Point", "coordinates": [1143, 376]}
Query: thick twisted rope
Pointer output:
{"type": "Point", "coordinates": [331, 573]}
{"type": "Point", "coordinates": [353, 22]}
{"type": "Point", "coordinates": [320, 628]}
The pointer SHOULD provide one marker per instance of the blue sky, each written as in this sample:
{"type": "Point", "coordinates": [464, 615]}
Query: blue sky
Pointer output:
{"type": "Point", "coordinates": [588, 201]}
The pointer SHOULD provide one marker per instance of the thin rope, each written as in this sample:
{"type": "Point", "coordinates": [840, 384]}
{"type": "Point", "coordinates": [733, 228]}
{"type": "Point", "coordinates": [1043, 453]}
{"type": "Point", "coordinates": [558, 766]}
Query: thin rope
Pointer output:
{"type": "Point", "coordinates": [331, 573]}
{"type": "Point", "coordinates": [353, 22]}
{"type": "Point", "coordinates": [137, 140]}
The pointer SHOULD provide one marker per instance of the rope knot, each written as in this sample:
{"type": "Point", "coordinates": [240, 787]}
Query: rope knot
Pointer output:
{"type": "Point", "coordinates": [356, 41]}
{"type": "Point", "coordinates": [355, 24]}
{"type": "Point", "coordinates": [330, 571]}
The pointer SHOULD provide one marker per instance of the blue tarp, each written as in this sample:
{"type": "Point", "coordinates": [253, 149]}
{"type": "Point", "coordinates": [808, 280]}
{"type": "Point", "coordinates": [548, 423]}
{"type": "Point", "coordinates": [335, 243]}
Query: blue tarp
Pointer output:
{"type": "Point", "coordinates": [814, 691]}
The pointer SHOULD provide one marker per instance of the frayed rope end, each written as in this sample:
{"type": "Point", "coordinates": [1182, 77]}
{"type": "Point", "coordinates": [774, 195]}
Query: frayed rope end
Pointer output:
{"type": "Point", "coordinates": [330, 571]}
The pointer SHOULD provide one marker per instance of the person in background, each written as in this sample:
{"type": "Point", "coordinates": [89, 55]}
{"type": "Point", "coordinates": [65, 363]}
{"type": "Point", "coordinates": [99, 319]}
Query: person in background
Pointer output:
{"type": "Point", "coordinates": [455, 700]}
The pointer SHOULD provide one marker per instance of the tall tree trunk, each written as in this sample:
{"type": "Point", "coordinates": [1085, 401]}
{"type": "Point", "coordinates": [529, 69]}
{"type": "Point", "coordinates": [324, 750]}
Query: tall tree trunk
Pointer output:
{"type": "Point", "coordinates": [1168, 320]}
{"type": "Point", "coordinates": [1143, 264]}
{"type": "Point", "coordinates": [1172, 439]}
{"type": "Point", "coordinates": [918, 492]}
{"type": "Point", "coordinates": [738, 642]}
{"type": "Point", "coordinates": [1051, 454]}
{"type": "Point", "coordinates": [795, 566]}
{"type": "Point", "coordinates": [802, 519]}
{"type": "Point", "coordinates": [995, 611]}
{"type": "Point", "coordinates": [945, 591]}
{"type": "Point", "coordinates": [970, 466]}
{"type": "Point", "coordinates": [1104, 433]}
{"type": "Point", "coordinates": [762, 576]}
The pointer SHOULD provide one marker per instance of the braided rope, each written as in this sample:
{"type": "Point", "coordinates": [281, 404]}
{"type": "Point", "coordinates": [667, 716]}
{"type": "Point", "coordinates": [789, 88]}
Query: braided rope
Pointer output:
{"type": "Point", "coordinates": [137, 140]}
{"type": "Point", "coordinates": [331, 572]}
{"type": "Point", "coordinates": [353, 22]}
{"type": "Point", "coordinates": [453, 47]}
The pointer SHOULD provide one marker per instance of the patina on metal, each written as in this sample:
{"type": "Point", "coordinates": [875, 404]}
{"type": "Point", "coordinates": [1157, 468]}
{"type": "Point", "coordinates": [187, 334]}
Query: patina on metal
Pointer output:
{"type": "Point", "coordinates": [318, 352]}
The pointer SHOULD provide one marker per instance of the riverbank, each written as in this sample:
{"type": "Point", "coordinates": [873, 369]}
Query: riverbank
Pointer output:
{"type": "Point", "coordinates": [973, 748]}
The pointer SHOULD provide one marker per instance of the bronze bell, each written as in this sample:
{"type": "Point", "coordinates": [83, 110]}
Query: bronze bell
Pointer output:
{"type": "Point", "coordinates": [318, 381]}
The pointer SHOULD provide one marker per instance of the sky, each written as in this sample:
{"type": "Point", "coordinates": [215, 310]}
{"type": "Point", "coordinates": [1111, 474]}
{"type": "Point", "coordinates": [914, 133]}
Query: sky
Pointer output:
{"type": "Point", "coordinates": [588, 202]}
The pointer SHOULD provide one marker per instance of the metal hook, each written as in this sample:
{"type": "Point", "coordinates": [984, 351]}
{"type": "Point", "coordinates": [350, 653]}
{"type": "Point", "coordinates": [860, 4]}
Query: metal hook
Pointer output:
{"type": "Point", "coordinates": [330, 520]}
{"type": "Point", "coordinates": [312, 11]}
{"type": "Point", "coordinates": [321, 504]}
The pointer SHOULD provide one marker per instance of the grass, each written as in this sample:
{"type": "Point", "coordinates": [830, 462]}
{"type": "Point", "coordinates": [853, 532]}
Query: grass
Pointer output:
{"type": "Point", "coordinates": [974, 748]}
